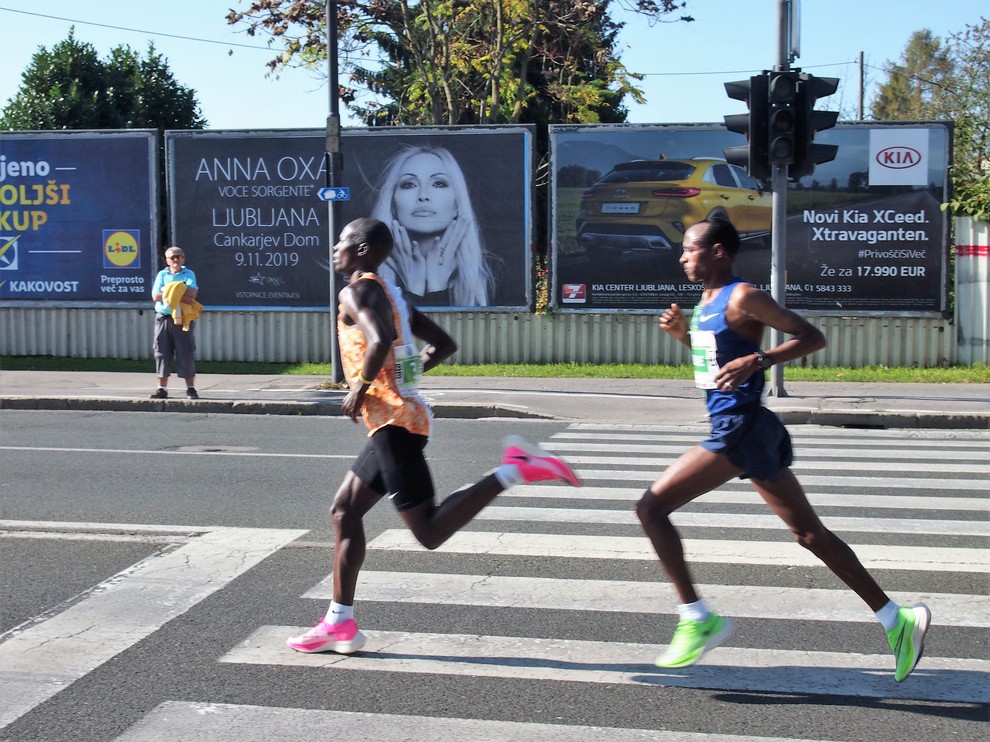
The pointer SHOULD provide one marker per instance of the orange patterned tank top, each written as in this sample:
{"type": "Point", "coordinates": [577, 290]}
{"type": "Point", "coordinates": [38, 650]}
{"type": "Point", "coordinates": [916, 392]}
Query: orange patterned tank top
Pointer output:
{"type": "Point", "coordinates": [392, 398]}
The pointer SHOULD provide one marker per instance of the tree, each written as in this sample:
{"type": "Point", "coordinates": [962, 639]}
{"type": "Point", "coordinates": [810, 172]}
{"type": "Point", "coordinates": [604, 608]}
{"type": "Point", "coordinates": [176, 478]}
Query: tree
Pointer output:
{"type": "Point", "coordinates": [949, 80]}
{"type": "Point", "coordinates": [969, 107]}
{"type": "Point", "coordinates": [463, 61]}
{"type": "Point", "coordinates": [69, 87]}
{"type": "Point", "coordinates": [914, 88]}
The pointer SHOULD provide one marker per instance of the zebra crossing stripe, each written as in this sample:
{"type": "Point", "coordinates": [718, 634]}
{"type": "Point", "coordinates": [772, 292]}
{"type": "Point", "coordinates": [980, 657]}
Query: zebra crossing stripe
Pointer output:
{"type": "Point", "coordinates": [800, 466]}
{"type": "Point", "coordinates": [804, 433]}
{"type": "Point", "coordinates": [572, 450]}
{"type": "Point", "coordinates": [226, 722]}
{"type": "Point", "coordinates": [893, 483]}
{"type": "Point", "coordinates": [745, 495]}
{"type": "Point", "coordinates": [771, 522]}
{"type": "Point", "coordinates": [727, 668]}
{"type": "Point", "coordinates": [624, 596]}
{"type": "Point", "coordinates": [39, 660]}
{"type": "Point", "coordinates": [881, 442]}
{"type": "Point", "coordinates": [917, 558]}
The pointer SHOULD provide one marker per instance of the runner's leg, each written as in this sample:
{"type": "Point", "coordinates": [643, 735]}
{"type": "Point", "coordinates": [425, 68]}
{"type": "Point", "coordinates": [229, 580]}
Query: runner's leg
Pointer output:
{"type": "Point", "coordinates": [353, 500]}
{"type": "Point", "coordinates": [696, 472]}
{"type": "Point", "coordinates": [787, 499]}
{"type": "Point", "coordinates": [433, 524]}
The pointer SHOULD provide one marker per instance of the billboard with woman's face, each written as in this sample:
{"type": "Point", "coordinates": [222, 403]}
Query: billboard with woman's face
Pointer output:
{"type": "Point", "coordinates": [459, 204]}
{"type": "Point", "coordinates": [245, 207]}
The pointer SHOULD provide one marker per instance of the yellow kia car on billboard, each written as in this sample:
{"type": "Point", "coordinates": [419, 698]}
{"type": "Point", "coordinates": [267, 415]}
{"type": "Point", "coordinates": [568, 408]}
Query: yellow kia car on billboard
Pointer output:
{"type": "Point", "coordinates": [647, 204]}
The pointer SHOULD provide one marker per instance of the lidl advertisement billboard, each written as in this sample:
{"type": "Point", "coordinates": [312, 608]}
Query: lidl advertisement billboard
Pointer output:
{"type": "Point", "coordinates": [78, 216]}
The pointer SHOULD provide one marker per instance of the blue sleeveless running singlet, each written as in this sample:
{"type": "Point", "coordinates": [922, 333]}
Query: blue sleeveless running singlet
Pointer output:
{"type": "Point", "coordinates": [713, 344]}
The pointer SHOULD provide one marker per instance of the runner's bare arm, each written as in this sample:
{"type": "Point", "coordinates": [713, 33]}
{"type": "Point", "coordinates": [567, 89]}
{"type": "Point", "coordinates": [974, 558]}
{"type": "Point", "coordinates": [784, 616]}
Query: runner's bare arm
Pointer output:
{"type": "Point", "coordinates": [440, 346]}
{"type": "Point", "coordinates": [673, 323]}
{"type": "Point", "coordinates": [750, 310]}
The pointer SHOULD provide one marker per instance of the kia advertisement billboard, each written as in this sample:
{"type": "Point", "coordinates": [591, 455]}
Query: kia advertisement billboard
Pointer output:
{"type": "Point", "coordinates": [245, 207]}
{"type": "Point", "coordinates": [78, 217]}
{"type": "Point", "coordinates": [865, 232]}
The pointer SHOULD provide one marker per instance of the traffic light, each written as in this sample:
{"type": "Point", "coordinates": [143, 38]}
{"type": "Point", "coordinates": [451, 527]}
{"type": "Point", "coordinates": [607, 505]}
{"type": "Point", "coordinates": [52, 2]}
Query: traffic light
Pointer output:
{"type": "Point", "coordinates": [810, 122]}
{"type": "Point", "coordinates": [782, 117]}
{"type": "Point", "coordinates": [752, 156]}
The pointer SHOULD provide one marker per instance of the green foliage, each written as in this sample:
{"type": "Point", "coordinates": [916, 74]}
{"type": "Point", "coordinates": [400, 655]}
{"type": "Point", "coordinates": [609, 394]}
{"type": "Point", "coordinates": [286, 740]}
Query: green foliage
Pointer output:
{"type": "Point", "coordinates": [948, 80]}
{"type": "Point", "coordinates": [974, 374]}
{"type": "Point", "coordinates": [465, 61]}
{"type": "Point", "coordinates": [915, 87]}
{"type": "Point", "coordinates": [70, 87]}
{"type": "Point", "coordinates": [971, 197]}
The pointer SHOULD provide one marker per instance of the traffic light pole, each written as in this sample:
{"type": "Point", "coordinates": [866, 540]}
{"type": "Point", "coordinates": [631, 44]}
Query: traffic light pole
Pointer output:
{"type": "Point", "coordinates": [778, 184]}
{"type": "Point", "coordinates": [334, 163]}
{"type": "Point", "coordinates": [778, 268]}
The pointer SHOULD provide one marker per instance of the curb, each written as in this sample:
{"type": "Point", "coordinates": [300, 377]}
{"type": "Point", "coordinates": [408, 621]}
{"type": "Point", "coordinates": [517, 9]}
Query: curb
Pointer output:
{"type": "Point", "coordinates": [247, 407]}
{"type": "Point", "coordinates": [882, 420]}
{"type": "Point", "coordinates": [890, 419]}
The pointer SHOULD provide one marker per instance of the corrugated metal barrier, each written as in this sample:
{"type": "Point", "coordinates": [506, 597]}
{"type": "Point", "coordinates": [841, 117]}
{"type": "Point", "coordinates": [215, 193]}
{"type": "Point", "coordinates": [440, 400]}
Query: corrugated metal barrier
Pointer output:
{"type": "Point", "coordinates": [482, 337]}
{"type": "Point", "coordinates": [972, 290]}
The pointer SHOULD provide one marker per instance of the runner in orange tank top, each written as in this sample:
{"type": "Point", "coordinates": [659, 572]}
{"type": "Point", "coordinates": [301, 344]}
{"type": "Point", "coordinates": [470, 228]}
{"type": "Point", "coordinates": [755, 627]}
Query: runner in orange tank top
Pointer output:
{"type": "Point", "coordinates": [377, 330]}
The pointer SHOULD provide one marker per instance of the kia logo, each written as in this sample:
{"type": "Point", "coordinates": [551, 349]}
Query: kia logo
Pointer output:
{"type": "Point", "coordinates": [898, 158]}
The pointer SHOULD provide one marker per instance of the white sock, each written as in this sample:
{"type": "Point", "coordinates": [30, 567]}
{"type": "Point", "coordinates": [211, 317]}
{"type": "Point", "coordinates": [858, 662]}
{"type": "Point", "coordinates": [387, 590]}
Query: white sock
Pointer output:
{"type": "Point", "coordinates": [887, 616]}
{"type": "Point", "coordinates": [508, 475]}
{"type": "Point", "coordinates": [338, 613]}
{"type": "Point", "coordinates": [696, 611]}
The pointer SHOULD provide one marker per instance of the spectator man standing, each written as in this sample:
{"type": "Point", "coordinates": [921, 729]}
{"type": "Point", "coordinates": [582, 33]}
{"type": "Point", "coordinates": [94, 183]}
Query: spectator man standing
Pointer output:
{"type": "Point", "coordinates": [174, 293]}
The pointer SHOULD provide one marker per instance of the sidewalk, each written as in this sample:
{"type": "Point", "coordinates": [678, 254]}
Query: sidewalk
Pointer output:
{"type": "Point", "coordinates": [619, 401]}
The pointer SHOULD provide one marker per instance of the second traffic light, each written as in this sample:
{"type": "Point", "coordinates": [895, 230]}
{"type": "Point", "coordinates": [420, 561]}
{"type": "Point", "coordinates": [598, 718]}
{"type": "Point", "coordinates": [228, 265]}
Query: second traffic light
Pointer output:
{"type": "Point", "coordinates": [751, 156]}
{"type": "Point", "coordinates": [810, 122]}
{"type": "Point", "coordinates": [782, 117]}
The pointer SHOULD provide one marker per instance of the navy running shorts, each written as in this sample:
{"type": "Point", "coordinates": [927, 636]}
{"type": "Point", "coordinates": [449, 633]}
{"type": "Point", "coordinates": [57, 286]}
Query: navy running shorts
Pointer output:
{"type": "Point", "coordinates": [753, 439]}
{"type": "Point", "coordinates": [393, 464]}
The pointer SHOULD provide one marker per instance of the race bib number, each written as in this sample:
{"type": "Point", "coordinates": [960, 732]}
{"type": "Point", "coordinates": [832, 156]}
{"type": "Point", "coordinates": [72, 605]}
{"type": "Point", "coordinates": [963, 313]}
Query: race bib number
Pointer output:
{"type": "Point", "coordinates": [408, 368]}
{"type": "Point", "coordinates": [705, 358]}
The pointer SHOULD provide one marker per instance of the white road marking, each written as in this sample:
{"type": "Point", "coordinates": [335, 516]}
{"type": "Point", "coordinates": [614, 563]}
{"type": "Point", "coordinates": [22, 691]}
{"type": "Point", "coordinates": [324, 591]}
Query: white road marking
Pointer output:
{"type": "Point", "coordinates": [770, 522]}
{"type": "Point", "coordinates": [744, 494]}
{"type": "Point", "coordinates": [915, 558]}
{"type": "Point", "coordinates": [37, 660]}
{"type": "Point", "coordinates": [625, 596]}
{"type": "Point", "coordinates": [224, 722]}
{"type": "Point", "coordinates": [726, 668]}
{"type": "Point", "coordinates": [160, 452]}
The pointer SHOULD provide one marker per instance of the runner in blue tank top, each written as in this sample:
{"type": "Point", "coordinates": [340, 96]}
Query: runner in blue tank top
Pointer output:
{"type": "Point", "coordinates": [748, 441]}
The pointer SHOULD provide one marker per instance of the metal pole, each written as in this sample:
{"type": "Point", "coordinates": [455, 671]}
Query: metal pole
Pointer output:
{"type": "Point", "coordinates": [862, 87]}
{"type": "Point", "coordinates": [778, 184]}
{"type": "Point", "coordinates": [334, 165]}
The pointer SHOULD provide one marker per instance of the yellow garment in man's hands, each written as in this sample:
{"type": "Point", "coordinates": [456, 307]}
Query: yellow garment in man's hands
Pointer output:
{"type": "Point", "coordinates": [182, 314]}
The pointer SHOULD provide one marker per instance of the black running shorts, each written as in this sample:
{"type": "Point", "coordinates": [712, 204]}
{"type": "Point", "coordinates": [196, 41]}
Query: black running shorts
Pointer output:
{"type": "Point", "coordinates": [393, 464]}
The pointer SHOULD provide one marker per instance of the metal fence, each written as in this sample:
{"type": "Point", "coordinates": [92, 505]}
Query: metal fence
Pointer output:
{"type": "Point", "coordinates": [482, 337]}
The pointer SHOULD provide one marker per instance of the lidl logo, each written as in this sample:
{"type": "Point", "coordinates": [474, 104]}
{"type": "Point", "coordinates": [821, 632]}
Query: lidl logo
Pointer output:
{"type": "Point", "coordinates": [121, 248]}
{"type": "Point", "coordinates": [8, 253]}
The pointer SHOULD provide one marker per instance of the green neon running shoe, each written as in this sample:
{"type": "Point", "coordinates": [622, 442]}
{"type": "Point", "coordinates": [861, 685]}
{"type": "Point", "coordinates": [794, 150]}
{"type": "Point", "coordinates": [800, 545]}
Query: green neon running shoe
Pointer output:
{"type": "Point", "coordinates": [907, 639]}
{"type": "Point", "coordinates": [693, 638]}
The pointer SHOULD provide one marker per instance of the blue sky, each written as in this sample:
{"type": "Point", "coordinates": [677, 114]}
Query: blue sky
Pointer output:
{"type": "Point", "coordinates": [685, 64]}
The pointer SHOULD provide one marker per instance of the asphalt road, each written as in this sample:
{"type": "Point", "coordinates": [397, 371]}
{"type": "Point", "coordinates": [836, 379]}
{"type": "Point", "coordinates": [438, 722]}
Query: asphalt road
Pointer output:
{"type": "Point", "coordinates": [98, 504]}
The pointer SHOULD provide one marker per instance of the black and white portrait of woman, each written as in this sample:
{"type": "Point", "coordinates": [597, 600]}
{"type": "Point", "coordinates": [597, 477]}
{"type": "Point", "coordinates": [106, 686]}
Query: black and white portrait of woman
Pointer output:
{"type": "Point", "coordinates": [459, 203]}
{"type": "Point", "coordinates": [439, 256]}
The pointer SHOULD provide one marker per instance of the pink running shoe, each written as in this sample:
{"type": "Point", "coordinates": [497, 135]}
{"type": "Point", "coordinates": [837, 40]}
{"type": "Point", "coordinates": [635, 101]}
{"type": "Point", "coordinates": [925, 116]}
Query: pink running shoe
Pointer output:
{"type": "Point", "coordinates": [343, 638]}
{"type": "Point", "coordinates": [536, 464]}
